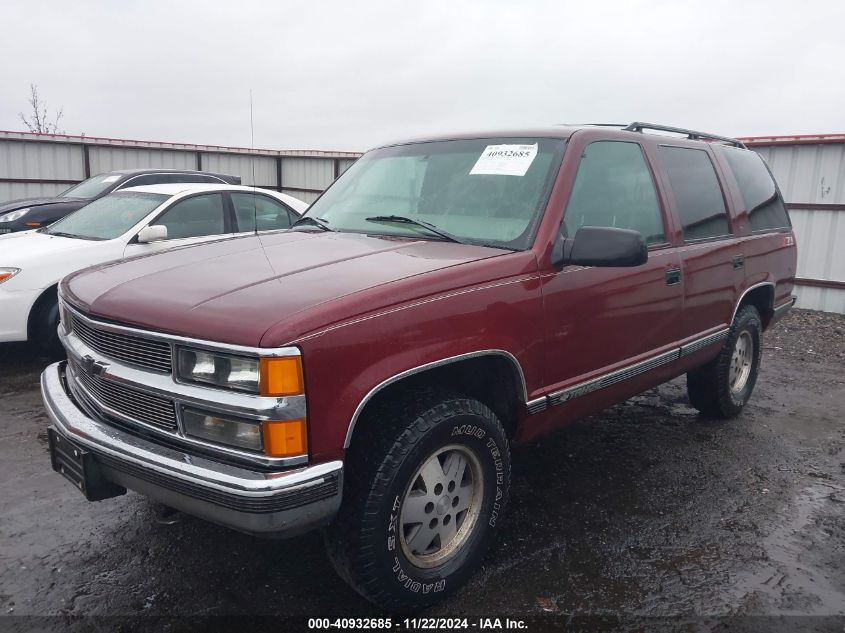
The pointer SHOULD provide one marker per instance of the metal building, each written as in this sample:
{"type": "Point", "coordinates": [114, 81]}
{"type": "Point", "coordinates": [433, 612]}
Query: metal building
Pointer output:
{"type": "Point", "coordinates": [810, 170]}
{"type": "Point", "coordinates": [47, 164]}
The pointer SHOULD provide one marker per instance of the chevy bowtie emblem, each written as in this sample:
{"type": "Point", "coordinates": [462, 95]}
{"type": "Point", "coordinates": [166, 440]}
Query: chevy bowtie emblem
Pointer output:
{"type": "Point", "coordinates": [91, 366]}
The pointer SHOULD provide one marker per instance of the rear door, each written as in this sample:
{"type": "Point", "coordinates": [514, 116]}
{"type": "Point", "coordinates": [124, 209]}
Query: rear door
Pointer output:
{"type": "Point", "coordinates": [256, 209]}
{"type": "Point", "coordinates": [712, 261]}
{"type": "Point", "coordinates": [600, 320]}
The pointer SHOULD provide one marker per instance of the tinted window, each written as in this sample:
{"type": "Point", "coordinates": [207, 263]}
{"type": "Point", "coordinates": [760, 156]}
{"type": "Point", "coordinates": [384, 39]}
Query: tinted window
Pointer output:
{"type": "Point", "coordinates": [159, 179]}
{"type": "Point", "coordinates": [194, 217]}
{"type": "Point", "coordinates": [269, 213]}
{"type": "Point", "coordinates": [764, 205]}
{"type": "Point", "coordinates": [108, 217]}
{"type": "Point", "coordinates": [698, 196]}
{"type": "Point", "coordinates": [614, 187]}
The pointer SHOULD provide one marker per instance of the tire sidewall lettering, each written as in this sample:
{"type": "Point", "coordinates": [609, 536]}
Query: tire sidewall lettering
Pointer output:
{"type": "Point", "coordinates": [484, 444]}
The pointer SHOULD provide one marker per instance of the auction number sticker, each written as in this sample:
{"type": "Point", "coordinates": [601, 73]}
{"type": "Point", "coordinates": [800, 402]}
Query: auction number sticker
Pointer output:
{"type": "Point", "coordinates": [505, 160]}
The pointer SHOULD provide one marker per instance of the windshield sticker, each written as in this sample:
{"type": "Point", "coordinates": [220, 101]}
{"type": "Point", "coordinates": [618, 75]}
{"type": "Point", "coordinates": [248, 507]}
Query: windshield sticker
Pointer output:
{"type": "Point", "coordinates": [505, 160]}
{"type": "Point", "coordinates": [110, 178]}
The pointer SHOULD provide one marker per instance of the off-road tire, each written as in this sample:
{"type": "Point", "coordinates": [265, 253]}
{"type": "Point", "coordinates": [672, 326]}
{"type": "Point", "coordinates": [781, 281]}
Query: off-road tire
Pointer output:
{"type": "Point", "coordinates": [398, 436]}
{"type": "Point", "coordinates": [709, 386]}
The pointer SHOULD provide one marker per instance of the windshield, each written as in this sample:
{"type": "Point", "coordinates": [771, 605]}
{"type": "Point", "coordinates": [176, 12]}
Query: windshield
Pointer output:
{"type": "Point", "coordinates": [483, 191]}
{"type": "Point", "coordinates": [92, 187]}
{"type": "Point", "coordinates": [108, 217]}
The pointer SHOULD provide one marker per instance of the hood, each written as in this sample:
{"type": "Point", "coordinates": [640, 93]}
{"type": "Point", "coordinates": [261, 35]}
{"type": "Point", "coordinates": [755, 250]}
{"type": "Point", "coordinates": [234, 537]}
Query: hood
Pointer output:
{"type": "Point", "coordinates": [20, 249]}
{"type": "Point", "coordinates": [235, 290]}
{"type": "Point", "coordinates": [44, 259]}
{"type": "Point", "coordinates": [22, 203]}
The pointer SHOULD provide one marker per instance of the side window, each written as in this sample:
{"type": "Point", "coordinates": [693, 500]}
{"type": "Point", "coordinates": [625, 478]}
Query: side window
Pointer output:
{"type": "Point", "coordinates": [698, 196]}
{"type": "Point", "coordinates": [138, 181]}
{"type": "Point", "coordinates": [160, 179]}
{"type": "Point", "coordinates": [614, 187]}
{"type": "Point", "coordinates": [270, 214]}
{"type": "Point", "coordinates": [194, 217]}
{"type": "Point", "coordinates": [762, 201]}
{"type": "Point", "coordinates": [176, 178]}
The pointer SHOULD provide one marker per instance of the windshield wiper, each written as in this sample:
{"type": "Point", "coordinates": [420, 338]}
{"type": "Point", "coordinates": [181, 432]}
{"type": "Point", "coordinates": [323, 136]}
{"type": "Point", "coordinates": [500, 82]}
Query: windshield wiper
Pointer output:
{"type": "Point", "coordinates": [401, 219]}
{"type": "Point", "coordinates": [318, 222]}
{"type": "Point", "coordinates": [73, 235]}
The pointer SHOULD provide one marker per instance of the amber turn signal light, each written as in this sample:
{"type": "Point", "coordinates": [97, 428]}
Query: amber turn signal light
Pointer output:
{"type": "Point", "coordinates": [282, 376]}
{"type": "Point", "coordinates": [285, 439]}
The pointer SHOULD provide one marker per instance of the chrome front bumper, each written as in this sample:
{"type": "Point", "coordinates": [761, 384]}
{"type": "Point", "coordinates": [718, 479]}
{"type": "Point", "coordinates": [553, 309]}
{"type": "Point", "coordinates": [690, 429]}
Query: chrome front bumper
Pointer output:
{"type": "Point", "coordinates": [281, 503]}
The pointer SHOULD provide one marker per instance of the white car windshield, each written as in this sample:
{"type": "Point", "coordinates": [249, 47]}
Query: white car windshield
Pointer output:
{"type": "Point", "coordinates": [108, 217]}
{"type": "Point", "coordinates": [488, 191]}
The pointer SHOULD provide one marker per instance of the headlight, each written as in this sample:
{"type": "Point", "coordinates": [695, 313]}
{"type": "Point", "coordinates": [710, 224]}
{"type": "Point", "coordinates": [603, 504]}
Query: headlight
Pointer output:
{"type": "Point", "coordinates": [7, 273]}
{"type": "Point", "coordinates": [287, 438]}
{"type": "Point", "coordinates": [265, 376]}
{"type": "Point", "coordinates": [220, 370]}
{"type": "Point", "coordinates": [14, 215]}
{"type": "Point", "coordinates": [223, 430]}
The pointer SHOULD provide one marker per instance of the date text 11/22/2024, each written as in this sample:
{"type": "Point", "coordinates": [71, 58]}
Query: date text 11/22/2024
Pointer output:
{"type": "Point", "coordinates": [417, 624]}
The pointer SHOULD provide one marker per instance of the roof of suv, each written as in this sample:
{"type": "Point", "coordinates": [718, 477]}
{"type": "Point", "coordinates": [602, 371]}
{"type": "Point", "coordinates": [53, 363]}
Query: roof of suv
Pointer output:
{"type": "Point", "coordinates": [564, 131]}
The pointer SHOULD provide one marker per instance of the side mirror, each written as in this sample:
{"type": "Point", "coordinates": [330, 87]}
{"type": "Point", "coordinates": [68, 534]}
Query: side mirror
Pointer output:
{"type": "Point", "coordinates": [602, 246]}
{"type": "Point", "coordinates": [152, 233]}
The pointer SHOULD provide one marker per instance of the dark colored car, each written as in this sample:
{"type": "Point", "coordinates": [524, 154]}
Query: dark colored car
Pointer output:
{"type": "Point", "coordinates": [31, 213]}
{"type": "Point", "coordinates": [367, 369]}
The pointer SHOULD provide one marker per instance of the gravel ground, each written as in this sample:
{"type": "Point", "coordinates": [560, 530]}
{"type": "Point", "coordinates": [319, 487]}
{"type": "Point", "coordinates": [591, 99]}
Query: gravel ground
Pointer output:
{"type": "Point", "coordinates": [644, 510]}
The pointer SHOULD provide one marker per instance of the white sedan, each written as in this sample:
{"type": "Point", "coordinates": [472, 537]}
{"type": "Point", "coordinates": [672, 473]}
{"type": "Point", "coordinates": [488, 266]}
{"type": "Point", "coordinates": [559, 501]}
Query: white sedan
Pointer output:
{"type": "Point", "coordinates": [129, 222]}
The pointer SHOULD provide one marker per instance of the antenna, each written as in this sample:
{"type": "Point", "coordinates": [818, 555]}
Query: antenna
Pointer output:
{"type": "Point", "coordinates": [252, 162]}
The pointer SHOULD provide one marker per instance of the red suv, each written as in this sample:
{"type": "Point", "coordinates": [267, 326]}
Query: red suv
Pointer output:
{"type": "Point", "coordinates": [366, 370]}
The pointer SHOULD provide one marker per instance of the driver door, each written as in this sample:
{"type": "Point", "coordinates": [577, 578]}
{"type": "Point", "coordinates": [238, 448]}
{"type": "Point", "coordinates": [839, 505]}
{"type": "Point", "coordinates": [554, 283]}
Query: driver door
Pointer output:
{"type": "Point", "coordinates": [601, 320]}
{"type": "Point", "coordinates": [191, 220]}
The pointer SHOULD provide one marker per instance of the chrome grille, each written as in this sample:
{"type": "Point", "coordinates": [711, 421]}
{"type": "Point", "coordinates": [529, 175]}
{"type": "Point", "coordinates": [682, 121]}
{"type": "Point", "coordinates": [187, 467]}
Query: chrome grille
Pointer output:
{"type": "Point", "coordinates": [154, 355]}
{"type": "Point", "coordinates": [129, 403]}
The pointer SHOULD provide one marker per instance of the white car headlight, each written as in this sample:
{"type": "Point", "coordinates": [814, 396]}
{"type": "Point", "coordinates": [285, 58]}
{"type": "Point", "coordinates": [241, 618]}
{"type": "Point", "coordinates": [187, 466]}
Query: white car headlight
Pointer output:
{"type": "Point", "coordinates": [14, 215]}
{"type": "Point", "coordinates": [7, 273]}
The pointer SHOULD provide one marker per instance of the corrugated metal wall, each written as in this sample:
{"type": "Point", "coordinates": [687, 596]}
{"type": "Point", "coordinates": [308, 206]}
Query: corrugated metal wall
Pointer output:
{"type": "Point", "coordinates": [45, 164]}
{"type": "Point", "coordinates": [811, 173]}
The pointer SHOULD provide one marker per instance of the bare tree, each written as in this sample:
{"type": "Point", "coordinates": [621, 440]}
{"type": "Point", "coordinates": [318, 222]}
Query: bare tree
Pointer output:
{"type": "Point", "coordinates": [39, 121]}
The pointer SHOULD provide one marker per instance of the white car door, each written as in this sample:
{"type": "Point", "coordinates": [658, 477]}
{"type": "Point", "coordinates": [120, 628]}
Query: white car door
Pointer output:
{"type": "Point", "coordinates": [253, 208]}
{"type": "Point", "coordinates": [191, 220]}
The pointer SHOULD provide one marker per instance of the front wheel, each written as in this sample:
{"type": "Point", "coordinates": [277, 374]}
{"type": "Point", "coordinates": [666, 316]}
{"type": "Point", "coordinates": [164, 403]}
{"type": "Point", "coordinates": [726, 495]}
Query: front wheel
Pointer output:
{"type": "Point", "coordinates": [721, 388]}
{"type": "Point", "coordinates": [425, 492]}
{"type": "Point", "coordinates": [46, 321]}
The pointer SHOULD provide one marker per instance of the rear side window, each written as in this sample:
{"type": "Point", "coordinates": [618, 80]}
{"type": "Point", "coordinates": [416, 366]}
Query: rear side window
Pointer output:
{"type": "Point", "coordinates": [268, 213]}
{"type": "Point", "coordinates": [764, 204]}
{"type": "Point", "coordinates": [160, 179]}
{"type": "Point", "coordinates": [614, 187]}
{"type": "Point", "coordinates": [698, 196]}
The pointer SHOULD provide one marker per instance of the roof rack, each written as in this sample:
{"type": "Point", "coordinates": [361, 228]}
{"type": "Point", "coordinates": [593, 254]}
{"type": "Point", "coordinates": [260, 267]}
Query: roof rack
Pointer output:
{"type": "Point", "coordinates": [639, 126]}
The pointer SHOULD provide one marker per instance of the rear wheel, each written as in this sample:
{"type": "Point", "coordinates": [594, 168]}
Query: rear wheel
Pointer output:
{"type": "Point", "coordinates": [425, 491]}
{"type": "Point", "coordinates": [721, 388]}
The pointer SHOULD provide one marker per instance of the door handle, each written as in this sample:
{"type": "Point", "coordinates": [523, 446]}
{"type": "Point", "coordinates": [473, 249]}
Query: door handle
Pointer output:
{"type": "Point", "coordinates": [673, 276]}
{"type": "Point", "coordinates": [738, 262]}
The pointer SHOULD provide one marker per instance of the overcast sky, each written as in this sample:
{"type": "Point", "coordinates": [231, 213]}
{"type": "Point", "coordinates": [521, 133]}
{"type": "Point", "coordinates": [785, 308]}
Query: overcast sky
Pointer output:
{"type": "Point", "coordinates": [350, 75]}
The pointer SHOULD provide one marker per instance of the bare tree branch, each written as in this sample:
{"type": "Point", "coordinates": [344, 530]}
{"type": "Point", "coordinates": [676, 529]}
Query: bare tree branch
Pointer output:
{"type": "Point", "coordinates": [39, 121]}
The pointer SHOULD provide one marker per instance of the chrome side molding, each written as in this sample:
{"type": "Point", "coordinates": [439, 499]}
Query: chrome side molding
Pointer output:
{"type": "Point", "coordinates": [609, 379]}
